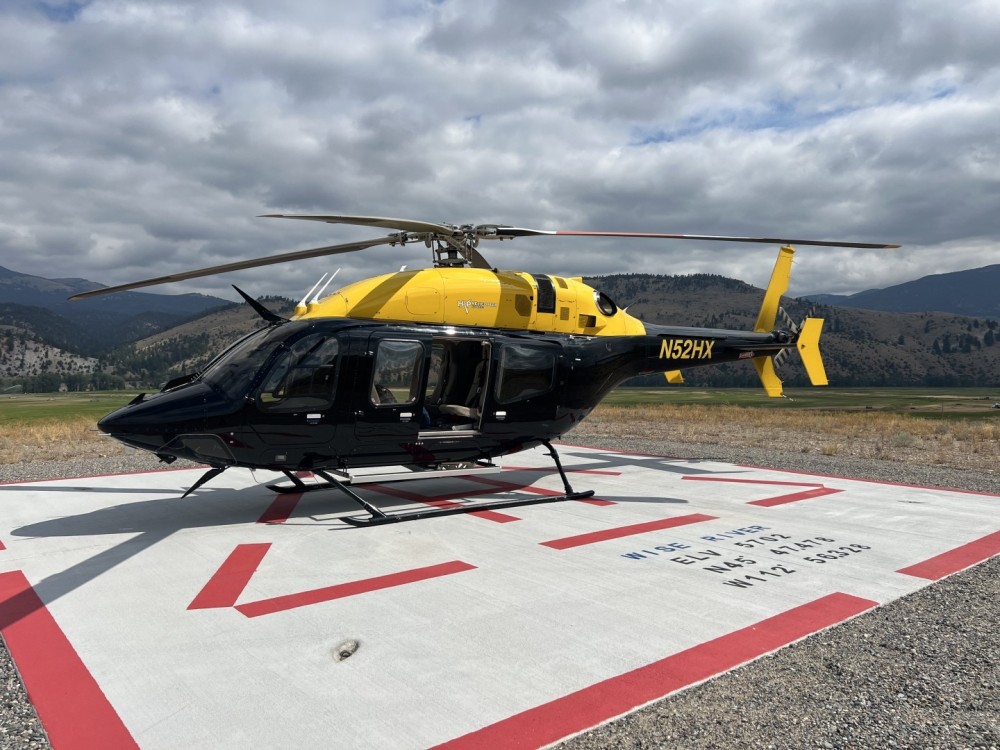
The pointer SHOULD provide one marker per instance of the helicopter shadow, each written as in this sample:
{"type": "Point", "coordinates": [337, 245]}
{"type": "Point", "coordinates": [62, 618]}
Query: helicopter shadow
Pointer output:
{"type": "Point", "coordinates": [147, 522]}
{"type": "Point", "coordinates": [77, 490]}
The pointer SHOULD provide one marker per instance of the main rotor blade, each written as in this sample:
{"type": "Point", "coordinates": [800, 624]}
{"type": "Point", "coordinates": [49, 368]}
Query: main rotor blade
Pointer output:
{"type": "Point", "coordinates": [406, 225]}
{"type": "Point", "coordinates": [516, 232]}
{"type": "Point", "coordinates": [317, 252]}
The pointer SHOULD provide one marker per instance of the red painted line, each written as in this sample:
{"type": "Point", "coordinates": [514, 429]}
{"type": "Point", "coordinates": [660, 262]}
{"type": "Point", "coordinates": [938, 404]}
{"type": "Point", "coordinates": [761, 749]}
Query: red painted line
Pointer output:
{"type": "Point", "coordinates": [872, 481]}
{"type": "Point", "coordinates": [228, 582]}
{"type": "Point", "coordinates": [621, 531]}
{"type": "Point", "coordinates": [340, 591]}
{"type": "Point", "coordinates": [770, 502]}
{"type": "Point", "coordinates": [72, 707]}
{"type": "Point", "coordinates": [281, 509]}
{"type": "Point", "coordinates": [749, 481]}
{"type": "Point", "coordinates": [444, 501]}
{"type": "Point", "coordinates": [512, 487]}
{"type": "Point", "coordinates": [619, 695]}
{"type": "Point", "coordinates": [955, 560]}
{"type": "Point", "coordinates": [600, 472]}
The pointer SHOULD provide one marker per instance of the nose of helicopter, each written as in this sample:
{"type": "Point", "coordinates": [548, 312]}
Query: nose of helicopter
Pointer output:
{"type": "Point", "coordinates": [152, 422]}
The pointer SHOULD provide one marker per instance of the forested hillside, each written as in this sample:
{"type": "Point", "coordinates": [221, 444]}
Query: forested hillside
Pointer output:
{"type": "Point", "coordinates": [860, 347]}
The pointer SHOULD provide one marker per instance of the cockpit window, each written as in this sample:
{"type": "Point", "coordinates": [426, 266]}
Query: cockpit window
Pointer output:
{"type": "Point", "coordinates": [303, 376]}
{"type": "Point", "coordinates": [232, 372]}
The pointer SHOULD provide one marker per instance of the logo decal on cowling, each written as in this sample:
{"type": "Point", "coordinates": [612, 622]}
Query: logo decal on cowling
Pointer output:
{"type": "Point", "coordinates": [471, 304]}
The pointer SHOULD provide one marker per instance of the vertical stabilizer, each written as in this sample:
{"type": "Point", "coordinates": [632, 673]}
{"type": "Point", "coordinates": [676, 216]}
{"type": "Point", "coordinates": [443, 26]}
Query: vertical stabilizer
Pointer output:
{"type": "Point", "coordinates": [776, 287]}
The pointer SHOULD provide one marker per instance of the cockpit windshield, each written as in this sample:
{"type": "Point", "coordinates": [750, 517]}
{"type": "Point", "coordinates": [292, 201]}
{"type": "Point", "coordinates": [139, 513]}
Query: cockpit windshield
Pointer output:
{"type": "Point", "coordinates": [233, 371]}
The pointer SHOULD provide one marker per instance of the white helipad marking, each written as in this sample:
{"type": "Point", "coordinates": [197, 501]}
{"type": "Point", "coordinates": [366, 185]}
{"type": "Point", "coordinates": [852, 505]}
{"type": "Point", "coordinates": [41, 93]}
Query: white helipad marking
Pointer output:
{"type": "Point", "coordinates": [462, 622]}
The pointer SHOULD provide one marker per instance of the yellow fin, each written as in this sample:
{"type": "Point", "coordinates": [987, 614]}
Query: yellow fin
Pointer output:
{"type": "Point", "coordinates": [768, 377]}
{"type": "Point", "coordinates": [776, 287]}
{"type": "Point", "coordinates": [808, 344]}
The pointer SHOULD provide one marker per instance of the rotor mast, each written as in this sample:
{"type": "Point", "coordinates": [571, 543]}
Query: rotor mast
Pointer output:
{"type": "Point", "coordinates": [457, 247]}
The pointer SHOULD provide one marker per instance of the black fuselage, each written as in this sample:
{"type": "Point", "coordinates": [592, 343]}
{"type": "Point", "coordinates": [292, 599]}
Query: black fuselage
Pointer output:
{"type": "Point", "coordinates": [339, 393]}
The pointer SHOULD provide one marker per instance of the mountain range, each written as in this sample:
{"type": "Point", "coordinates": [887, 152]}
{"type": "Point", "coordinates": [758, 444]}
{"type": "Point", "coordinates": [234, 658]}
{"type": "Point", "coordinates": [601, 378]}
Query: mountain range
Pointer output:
{"type": "Point", "coordinates": [974, 293]}
{"type": "Point", "coordinates": [93, 326]}
{"type": "Point", "coordinates": [140, 339]}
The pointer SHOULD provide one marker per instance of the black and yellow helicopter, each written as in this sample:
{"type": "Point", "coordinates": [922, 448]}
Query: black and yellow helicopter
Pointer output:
{"type": "Point", "coordinates": [437, 370]}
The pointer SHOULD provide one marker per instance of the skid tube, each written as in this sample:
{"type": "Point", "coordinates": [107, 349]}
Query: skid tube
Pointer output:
{"type": "Point", "coordinates": [378, 517]}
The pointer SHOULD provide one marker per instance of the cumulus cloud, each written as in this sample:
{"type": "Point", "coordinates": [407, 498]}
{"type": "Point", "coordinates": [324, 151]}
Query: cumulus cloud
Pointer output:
{"type": "Point", "coordinates": [143, 138]}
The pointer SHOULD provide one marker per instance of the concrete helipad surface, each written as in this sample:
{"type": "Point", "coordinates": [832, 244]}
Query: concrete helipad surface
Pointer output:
{"type": "Point", "coordinates": [138, 618]}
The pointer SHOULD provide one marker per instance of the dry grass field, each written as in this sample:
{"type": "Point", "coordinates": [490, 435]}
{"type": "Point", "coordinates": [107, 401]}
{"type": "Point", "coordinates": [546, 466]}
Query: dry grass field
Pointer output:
{"type": "Point", "coordinates": [54, 440]}
{"type": "Point", "coordinates": [967, 443]}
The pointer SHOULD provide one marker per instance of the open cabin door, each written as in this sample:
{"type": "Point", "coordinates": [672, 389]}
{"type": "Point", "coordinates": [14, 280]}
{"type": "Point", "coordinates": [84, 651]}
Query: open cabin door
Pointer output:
{"type": "Point", "coordinates": [457, 384]}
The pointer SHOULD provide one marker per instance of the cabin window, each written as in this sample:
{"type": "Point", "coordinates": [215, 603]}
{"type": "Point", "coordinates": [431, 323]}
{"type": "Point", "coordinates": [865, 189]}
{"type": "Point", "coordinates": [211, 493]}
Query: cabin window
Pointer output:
{"type": "Point", "coordinates": [525, 371]}
{"type": "Point", "coordinates": [397, 374]}
{"type": "Point", "coordinates": [303, 376]}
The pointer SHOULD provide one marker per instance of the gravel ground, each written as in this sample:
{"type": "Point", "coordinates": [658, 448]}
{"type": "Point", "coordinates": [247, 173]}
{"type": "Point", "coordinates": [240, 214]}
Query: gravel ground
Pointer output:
{"type": "Point", "coordinates": [920, 672]}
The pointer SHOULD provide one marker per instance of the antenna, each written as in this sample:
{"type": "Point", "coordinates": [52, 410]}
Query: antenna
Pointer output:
{"type": "Point", "coordinates": [315, 299]}
{"type": "Point", "coordinates": [313, 289]}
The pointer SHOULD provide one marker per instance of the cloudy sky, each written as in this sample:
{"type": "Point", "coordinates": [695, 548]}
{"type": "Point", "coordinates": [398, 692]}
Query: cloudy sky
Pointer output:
{"type": "Point", "coordinates": [143, 138]}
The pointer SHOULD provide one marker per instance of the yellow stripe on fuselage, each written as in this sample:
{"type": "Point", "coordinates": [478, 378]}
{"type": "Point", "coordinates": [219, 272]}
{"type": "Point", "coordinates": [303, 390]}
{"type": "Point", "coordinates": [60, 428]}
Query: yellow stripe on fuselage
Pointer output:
{"type": "Point", "coordinates": [474, 297]}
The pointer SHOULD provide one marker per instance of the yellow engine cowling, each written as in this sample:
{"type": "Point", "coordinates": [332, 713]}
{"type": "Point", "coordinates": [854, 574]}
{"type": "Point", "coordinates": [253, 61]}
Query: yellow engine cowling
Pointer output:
{"type": "Point", "coordinates": [478, 297]}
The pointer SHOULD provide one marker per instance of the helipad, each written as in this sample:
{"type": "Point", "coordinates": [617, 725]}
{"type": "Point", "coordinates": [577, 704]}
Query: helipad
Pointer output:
{"type": "Point", "coordinates": [219, 620]}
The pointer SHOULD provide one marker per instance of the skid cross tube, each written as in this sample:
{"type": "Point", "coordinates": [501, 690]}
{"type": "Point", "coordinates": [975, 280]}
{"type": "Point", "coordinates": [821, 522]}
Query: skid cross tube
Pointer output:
{"type": "Point", "coordinates": [297, 485]}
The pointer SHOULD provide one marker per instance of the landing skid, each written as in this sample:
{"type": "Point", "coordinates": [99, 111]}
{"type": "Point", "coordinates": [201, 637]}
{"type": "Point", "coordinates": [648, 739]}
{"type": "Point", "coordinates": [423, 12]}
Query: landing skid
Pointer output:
{"type": "Point", "coordinates": [377, 517]}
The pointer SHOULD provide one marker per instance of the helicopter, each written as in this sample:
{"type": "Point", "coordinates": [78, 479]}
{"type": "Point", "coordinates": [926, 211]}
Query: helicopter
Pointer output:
{"type": "Point", "coordinates": [437, 371]}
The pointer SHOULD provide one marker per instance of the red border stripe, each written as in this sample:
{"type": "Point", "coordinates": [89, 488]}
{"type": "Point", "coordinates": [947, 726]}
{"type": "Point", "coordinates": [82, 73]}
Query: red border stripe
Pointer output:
{"type": "Point", "coordinates": [340, 591]}
{"type": "Point", "coordinates": [72, 707]}
{"type": "Point", "coordinates": [605, 700]}
{"type": "Point", "coordinates": [621, 531]}
{"type": "Point", "coordinates": [228, 582]}
{"type": "Point", "coordinates": [281, 508]}
{"type": "Point", "coordinates": [955, 560]}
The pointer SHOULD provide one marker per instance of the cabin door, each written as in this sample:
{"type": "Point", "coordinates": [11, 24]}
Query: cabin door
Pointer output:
{"type": "Point", "coordinates": [526, 386]}
{"type": "Point", "coordinates": [390, 396]}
